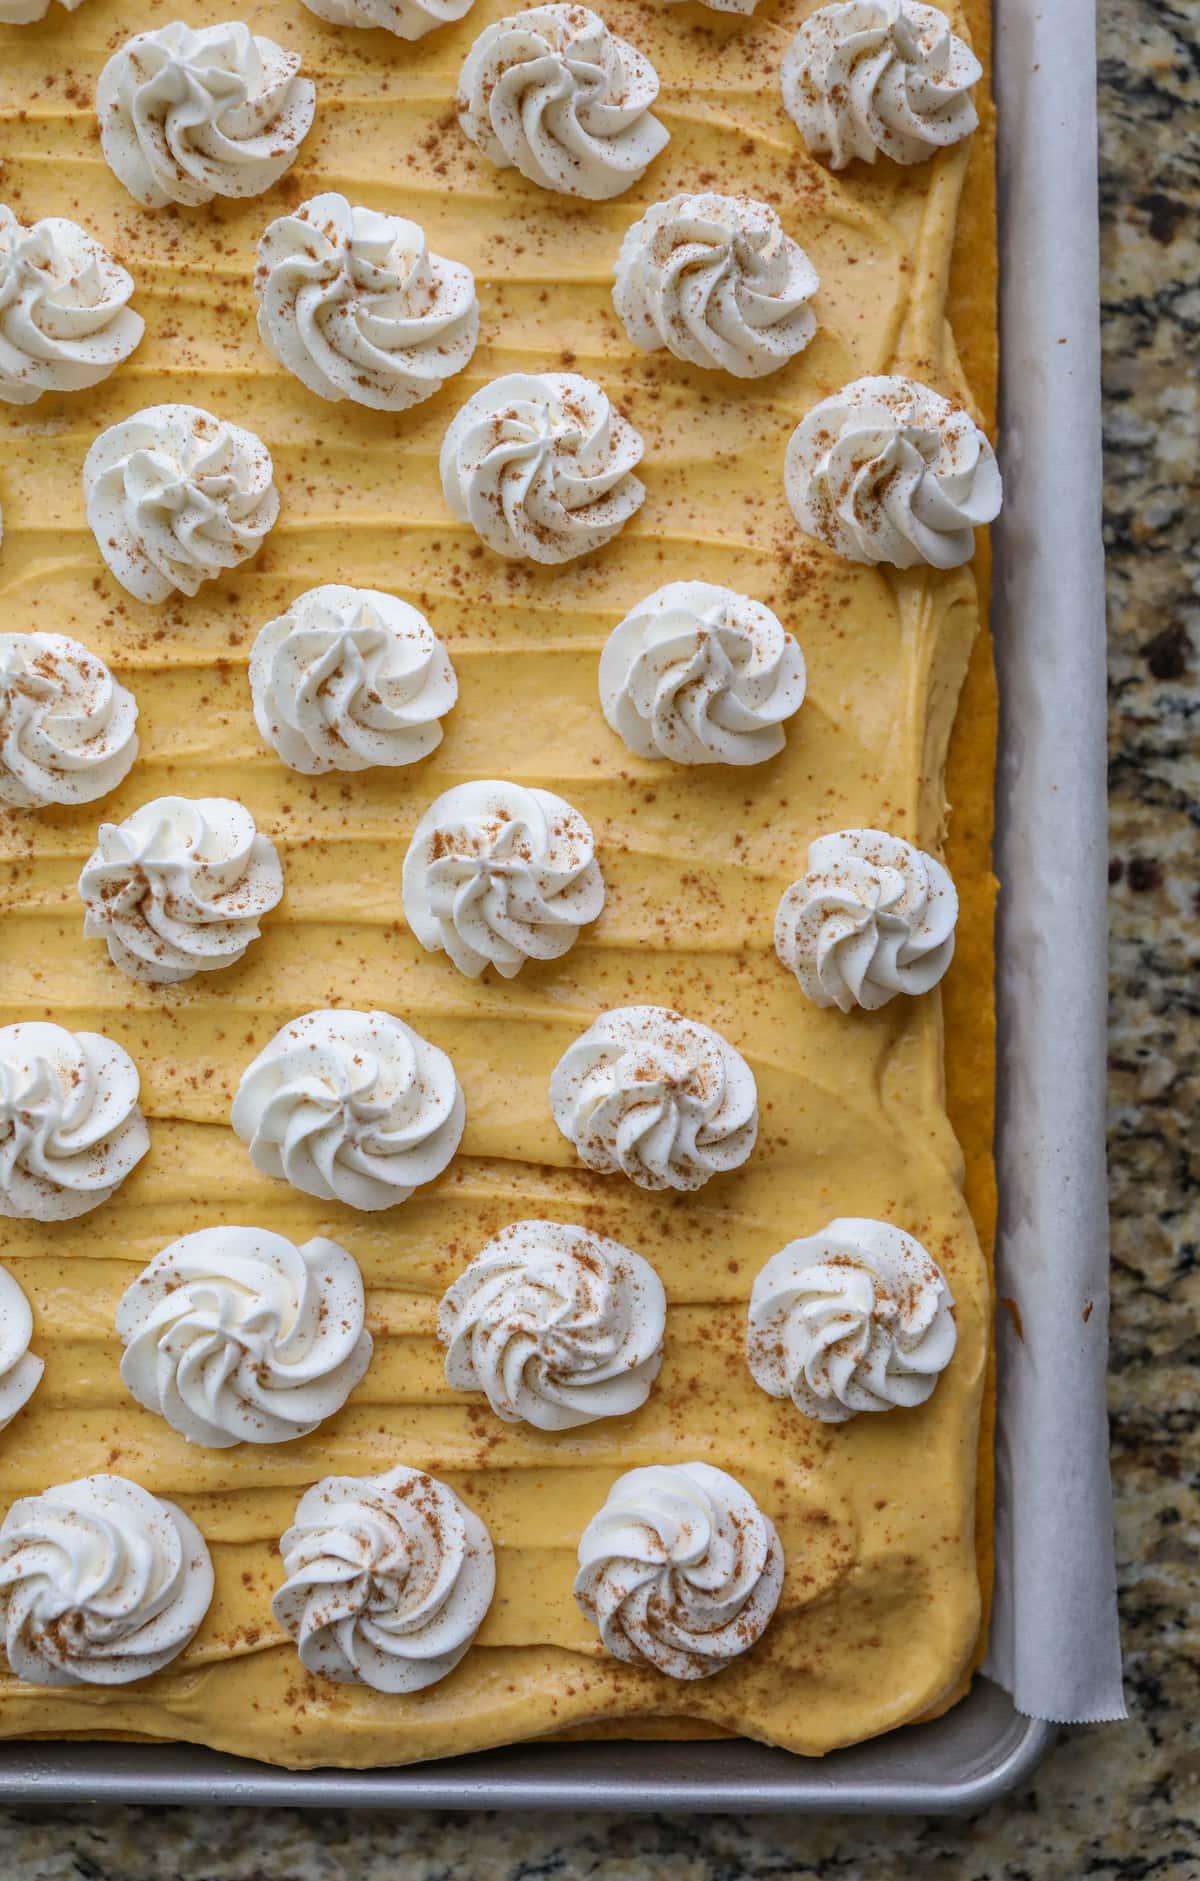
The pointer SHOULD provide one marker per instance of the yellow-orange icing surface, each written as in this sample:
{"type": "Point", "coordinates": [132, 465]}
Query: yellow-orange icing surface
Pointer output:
{"type": "Point", "coordinates": [880, 1613]}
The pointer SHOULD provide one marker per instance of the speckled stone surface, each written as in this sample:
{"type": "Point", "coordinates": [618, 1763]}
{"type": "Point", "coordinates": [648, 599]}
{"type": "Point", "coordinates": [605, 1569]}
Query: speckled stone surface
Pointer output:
{"type": "Point", "coordinates": [1121, 1801]}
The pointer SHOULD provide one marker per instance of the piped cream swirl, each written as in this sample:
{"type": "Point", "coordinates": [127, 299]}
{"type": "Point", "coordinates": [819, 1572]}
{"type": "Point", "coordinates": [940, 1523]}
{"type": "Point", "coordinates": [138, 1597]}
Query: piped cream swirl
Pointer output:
{"type": "Point", "coordinates": [871, 917]}
{"type": "Point", "coordinates": [887, 470]}
{"type": "Point", "coordinates": [408, 19]}
{"type": "Point", "coordinates": [541, 466]}
{"type": "Point", "coordinates": [100, 1583]}
{"type": "Point", "coordinates": [71, 1128]}
{"type": "Point", "coordinates": [680, 1570]}
{"type": "Point", "coordinates": [26, 12]}
{"type": "Point", "coordinates": [352, 1107]}
{"type": "Point", "coordinates": [866, 76]}
{"type": "Point", "coordinates": [68, 729]}
{"type": "Point", "coordinates": [20, 1369]}
{"type": "Point", "coordinates": [176, 496]}
{"type": "Point", "coordinates": [65, 319]}
{"type": "Point", "coordinates": [349, 678]}
{"type": "Point", "coordinates": [188, 114]}
{"type": "Point", "coordinates": [389, 1579]}
{"type": "Point", "coordinates": [701, 675]}
{"type": "Point", "coordinates": [354, 304]}
{"type": "Point", "coordinates": [554, 94]}
{"type": "Point", "coordinates": [661, 1098]}
{"type": "Point", "coordinates": [498, 874]}
{"type": "Point", "coordinates": [856, 1318]}
{"type": "Point", "coordinates": [236, 1335]}
{"type": "Point", "coordinates": [557, 1326]}
{"type": "Point", "coordinates": [716, 281]}
{"type": "Point", "coordinates": [179, 887]}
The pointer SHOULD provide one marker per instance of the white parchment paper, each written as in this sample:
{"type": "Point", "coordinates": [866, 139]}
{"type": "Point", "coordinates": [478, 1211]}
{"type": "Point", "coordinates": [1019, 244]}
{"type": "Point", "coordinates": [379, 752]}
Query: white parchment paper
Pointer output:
{"type": "Point", "coordinates": [1054, 1642]}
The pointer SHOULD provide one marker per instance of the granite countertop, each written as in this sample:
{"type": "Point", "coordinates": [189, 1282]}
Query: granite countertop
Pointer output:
{"type": "Point", "coordinates": [1113, 1801]}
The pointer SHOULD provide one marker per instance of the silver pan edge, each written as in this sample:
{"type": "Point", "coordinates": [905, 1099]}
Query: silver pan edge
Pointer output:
{"type": "Point", "coordinates": [984, 1748]}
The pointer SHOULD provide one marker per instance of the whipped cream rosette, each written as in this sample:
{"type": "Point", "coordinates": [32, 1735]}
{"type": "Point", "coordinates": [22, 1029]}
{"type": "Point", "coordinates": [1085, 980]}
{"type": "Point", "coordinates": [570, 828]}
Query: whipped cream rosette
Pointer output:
{"type": "Point", "coordinates": [887, 470]}
{"type": "Point", "coordinates": [100, 1583]}
{"type": "Point", "coordinates": [557, 1326]}
{"type": "Point", "coordinates": [661, 1098]}
{"type": "Point", "coordinates": [389, 1579]}
{"type": "Point", "coordinates": [26, 12]}
{"type": "Point", "coordinates": [68, 729]}
{"type": "Point", "coordinates": [879, 76]}
{"type": "Point", "coordinates": [498, 874]}
{"type": "Point", "coordinates": [179, 887]}
{"type": "Point", "coordinates": [236, 1335]}
{"type": "Point", "coordinates": [175, 497]}
{"type": "Point", "coordinates": [349, 678]}
{"type": "Point", "coordinates": [554, 94]}
{"type": "Point", "coordinates": [351, 1107]}
{"type": "Point", "coordinates": [701, 675]}
{"type": "Point", "coordinates": [354, 304]}
{"type": "Point", "coordinates": [856, 1318]}
{"type": "Point", "coordinates": [188, 114]}
{"type": "Point", "coordinates": [541, 466]}
{"type": "Point", "coordinates": [70, 1125]}
{"type": "Point", "coordinates": [20, 1369]}
{"type": "Point", "coordinates": [716, 281]}
{"type": "Point", "coordinates": [680, 1570]}
{"type": "Point", "coordinates": [870, 918]}
{"type": "Point", "coordinates": [408, 19]}
{"type": "Point", "coordinates": [65, 319]}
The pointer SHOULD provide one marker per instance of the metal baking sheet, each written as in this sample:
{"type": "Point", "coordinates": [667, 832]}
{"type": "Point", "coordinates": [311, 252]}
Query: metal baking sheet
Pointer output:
{"type": "Point", "coordinates": [976, 1753]}
{"type": "Point", "coordinates": [982, 1749]}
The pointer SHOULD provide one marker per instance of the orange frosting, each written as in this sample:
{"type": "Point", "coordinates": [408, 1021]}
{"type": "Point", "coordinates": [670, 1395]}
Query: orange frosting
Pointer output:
{"type": "Point", "coordinates": [882, 1519]}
